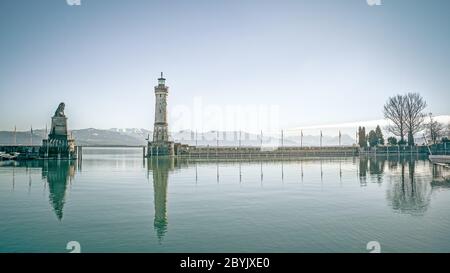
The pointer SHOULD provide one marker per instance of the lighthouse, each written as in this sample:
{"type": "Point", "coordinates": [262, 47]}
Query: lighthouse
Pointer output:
{"type": "Point", "coordinates": [161, 128]}
{"type": "Point", "coordinates": [160, 145]}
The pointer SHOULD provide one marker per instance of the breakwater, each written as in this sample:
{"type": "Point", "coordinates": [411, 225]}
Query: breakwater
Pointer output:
{"type": "Point", "coordinates": [253, 152]}
{"type": "Point", "coordinates": [27, 152]}
{"type": "Point", "coordinates": [32, 152]}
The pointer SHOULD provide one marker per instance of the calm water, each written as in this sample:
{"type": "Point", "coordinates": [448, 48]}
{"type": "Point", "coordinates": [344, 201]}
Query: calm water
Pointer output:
{"type": "Point", "coordinates": [117, 202]}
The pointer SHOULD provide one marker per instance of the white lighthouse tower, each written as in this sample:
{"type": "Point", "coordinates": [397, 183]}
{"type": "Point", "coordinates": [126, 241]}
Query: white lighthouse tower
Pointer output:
{"type": "Point", "coordinates": [161, 128]}
{"type": "Point", "coordinates": [161, 144]}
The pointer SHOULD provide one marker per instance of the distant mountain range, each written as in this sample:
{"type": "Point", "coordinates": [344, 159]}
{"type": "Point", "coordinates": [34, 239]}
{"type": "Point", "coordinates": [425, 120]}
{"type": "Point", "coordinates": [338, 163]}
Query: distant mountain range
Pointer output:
{"type": "Point", "coordinates": [135, 137]}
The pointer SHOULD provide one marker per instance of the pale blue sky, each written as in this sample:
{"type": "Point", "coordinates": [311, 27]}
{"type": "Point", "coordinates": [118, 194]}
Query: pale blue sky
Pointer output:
{"type": "Point", "coordinates": [320, 62]}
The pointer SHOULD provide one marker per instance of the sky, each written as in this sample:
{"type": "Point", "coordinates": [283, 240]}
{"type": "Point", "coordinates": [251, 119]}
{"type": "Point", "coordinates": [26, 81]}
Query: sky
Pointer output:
{"type": "Point", "coordinates": [229, 65]}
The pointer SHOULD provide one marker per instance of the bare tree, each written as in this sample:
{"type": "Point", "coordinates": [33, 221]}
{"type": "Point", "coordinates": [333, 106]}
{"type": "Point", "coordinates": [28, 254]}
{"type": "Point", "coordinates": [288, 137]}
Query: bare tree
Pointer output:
{"type": "Point", "coordinates": [447, 133]}
{"type": "Point", "coordinates": [434, 130]}
{"type": "Point", "coordinates": [394, 110]}
{"type": "Point", "coordinates": [414, 116]}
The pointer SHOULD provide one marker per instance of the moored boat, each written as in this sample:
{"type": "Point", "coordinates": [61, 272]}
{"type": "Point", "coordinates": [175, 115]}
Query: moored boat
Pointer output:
{"type": "Point", "coordinates": [6, 156]}
{"type": "Point", "coordinates": [440, 159]}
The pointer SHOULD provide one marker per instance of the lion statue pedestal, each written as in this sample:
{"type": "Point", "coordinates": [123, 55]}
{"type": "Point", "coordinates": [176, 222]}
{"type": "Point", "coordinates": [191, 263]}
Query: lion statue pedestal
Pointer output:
{"type": "Point", "coordinates": [59, 144]}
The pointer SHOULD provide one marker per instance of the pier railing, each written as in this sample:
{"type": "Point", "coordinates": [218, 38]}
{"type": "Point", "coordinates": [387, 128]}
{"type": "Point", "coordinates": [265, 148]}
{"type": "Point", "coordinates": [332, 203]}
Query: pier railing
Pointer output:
{"type": "Point", "coordinates": [252, 152]}
{"type": "Point", "coordinates": [436, 149]}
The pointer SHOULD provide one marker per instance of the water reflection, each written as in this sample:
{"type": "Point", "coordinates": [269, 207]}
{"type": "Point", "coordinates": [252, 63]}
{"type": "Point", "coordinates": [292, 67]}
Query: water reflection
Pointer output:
{"type": "Point", "coordinates": [408, 183]}
{"type": "Point", "coordinates": [363, 161]}
{"type": "Point", "coordinates": [160, 169]}
{"type": "Point", "coordinates": [441, 177]}
{"type": "Point", "coordinates": [373, 166]}
{"type": "Point", "coordinates": [408, 191]}
{"type": "Point", "coordinates": [58, 174]}
{"type": "Point", "coordinates": [408, 187]}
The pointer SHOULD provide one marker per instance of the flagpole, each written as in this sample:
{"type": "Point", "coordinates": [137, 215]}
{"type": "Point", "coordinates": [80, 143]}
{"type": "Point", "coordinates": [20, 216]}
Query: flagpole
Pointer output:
{"type": "Point", "coordinates": [239, 138]}
{"type": "Point", "coordinates": [301, 139]}
{"type": "Point", "coordinates": [320, 138]}
{"type": "Point", "coordinates": [261, 138]}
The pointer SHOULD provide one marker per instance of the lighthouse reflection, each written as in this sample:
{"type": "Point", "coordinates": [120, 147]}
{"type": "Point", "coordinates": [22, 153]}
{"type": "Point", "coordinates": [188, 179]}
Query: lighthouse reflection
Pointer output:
{"type": "Point", "coordinates": [160, 168]}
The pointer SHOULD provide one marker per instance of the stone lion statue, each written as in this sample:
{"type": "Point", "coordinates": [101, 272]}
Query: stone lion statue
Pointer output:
{"type": "Point", "coordinates": [60, 111]}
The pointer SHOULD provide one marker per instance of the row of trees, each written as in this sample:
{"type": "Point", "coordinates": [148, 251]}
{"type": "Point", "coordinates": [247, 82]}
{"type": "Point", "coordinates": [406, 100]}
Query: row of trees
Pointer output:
{"type": "Point", "coordinates": [374, 138]}
{"type": "Point", "coordinates": [436, 131]}
{"type": "Point", "coordinates": [407, 118]}
{"type": "Point", "coordinates": [406, 115]}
